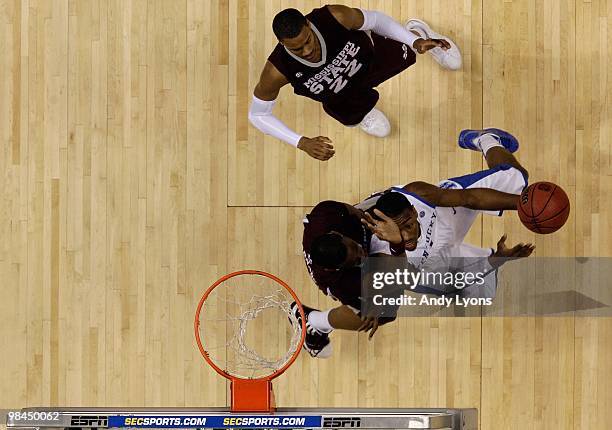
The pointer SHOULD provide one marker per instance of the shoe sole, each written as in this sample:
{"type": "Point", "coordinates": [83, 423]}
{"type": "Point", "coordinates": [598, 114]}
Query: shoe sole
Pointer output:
{"type": "Point", "coordinates": [507, 140]}
{"type": "Point", "coordinates": [388, 124]}
{"type": "Point", "coordinates": [324, 352]}
{"type": "Point", "coordinates": [376, 135]}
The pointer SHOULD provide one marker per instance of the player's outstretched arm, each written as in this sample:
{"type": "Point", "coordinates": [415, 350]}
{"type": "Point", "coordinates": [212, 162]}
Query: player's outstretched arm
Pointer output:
{"type": "Point", "coordinates": [484, 199]}
{"type": "Point", "coordinates": [260, 115]}
{"type": "Point", "coordinates": [383, 24]}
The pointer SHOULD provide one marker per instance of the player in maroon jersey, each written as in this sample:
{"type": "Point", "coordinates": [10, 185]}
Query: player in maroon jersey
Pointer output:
{"type": "Point", "coordinates": [336, 55]}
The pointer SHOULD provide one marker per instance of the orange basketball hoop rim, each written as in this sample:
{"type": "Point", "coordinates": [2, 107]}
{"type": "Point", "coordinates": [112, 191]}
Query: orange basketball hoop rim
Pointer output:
{"type": "Point", "coordinates": [252, 394]}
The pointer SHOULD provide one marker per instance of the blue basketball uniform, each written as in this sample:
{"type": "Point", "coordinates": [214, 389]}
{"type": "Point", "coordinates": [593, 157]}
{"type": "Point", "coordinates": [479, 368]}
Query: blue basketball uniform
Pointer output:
{"type": "Point", "coordinates": [443, 229]}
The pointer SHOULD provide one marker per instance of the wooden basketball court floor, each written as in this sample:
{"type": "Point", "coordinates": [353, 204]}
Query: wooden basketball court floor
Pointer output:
{"type": "Point", "coordinates": [131, 180]}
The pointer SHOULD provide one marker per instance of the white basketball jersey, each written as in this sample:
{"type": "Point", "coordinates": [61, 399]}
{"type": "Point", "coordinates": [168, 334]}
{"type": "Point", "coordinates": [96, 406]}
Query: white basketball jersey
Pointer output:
{"type": "Point", "coordinates": [426, 216]}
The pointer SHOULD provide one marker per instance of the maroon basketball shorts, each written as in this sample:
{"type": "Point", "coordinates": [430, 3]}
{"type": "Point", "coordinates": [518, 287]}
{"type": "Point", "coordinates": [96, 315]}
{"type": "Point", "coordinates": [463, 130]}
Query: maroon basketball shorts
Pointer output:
{"type": "Point", "coordinates": [390, 58]}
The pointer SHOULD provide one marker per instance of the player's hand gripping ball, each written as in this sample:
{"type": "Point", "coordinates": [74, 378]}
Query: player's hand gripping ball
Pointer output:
{"type": "Point", "coordinates": [543, 207]}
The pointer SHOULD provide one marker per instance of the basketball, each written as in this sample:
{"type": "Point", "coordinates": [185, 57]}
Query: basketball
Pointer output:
{"type": "Point", "coordinates": [543, 207]}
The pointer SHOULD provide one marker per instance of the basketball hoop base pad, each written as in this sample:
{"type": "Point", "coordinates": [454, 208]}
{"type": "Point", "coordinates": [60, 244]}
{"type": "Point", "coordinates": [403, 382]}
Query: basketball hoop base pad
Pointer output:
{"type": "Point", "coordinates": [252, 395]}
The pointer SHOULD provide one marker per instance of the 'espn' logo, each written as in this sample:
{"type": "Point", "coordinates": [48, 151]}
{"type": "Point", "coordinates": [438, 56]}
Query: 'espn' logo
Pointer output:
{"type": "Point", "coordinates": [341, 422]}
{"type": "Point", "coordinates": [89, 421]}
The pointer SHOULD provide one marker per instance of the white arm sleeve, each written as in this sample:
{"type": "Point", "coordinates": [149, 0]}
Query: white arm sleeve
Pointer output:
{"type": "Point", "coordinates": [386, 26]}
{"type": "Point", "coordinates": [260, 115]}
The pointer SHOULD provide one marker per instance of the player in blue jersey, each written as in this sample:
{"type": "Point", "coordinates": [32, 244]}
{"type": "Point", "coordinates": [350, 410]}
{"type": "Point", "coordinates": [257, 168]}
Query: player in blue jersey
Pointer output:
{"type": "Point", "coordinates": [425, 222]}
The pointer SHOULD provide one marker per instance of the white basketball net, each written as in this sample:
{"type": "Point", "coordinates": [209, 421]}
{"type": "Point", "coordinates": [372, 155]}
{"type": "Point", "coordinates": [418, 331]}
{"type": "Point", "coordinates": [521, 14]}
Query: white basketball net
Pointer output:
{"type": "Point", "coordinates": [247, 326]}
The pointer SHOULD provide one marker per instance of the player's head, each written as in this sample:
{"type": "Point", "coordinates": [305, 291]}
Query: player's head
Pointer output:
{"type": "Point", "coordinates": [398, 208]}
{"type": "Point", "coordinates": [334, 251]}
{"type": "Point", "coordinates": [293, 30]}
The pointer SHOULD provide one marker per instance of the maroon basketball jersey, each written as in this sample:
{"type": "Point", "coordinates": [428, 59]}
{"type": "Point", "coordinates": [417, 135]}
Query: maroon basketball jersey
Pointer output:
{"type": "Point", "coordinates": [346, 56]}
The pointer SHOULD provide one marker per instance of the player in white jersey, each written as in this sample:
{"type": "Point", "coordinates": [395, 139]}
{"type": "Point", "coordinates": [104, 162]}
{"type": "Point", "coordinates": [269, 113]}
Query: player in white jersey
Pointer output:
{"type": "Point", "coordinates": [429, 224]}
{"type": "Point", "coordinates": [432, 233]}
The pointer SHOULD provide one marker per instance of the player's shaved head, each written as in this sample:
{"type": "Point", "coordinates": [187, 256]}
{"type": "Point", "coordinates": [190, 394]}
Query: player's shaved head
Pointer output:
{"type": "Point", "coordinates": [334, 251]}
{"type": "Point", "coordinates": [397, 207]}
{"type": "Point", "coordinates": [288, 23]}
{"type": "Point", "coordinates": [293, 31]}
{"type": "Point", "coordinates": [393, 204]}
{"type": "Point", "coordinates": [329, 251]}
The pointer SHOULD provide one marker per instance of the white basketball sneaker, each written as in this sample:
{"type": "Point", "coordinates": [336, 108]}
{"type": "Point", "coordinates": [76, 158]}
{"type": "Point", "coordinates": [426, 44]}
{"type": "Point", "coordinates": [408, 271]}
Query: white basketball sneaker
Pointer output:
{"type": "Point", "coordinates": [376, 124]}
{"type": "Point", "coordinates": [449, 59]}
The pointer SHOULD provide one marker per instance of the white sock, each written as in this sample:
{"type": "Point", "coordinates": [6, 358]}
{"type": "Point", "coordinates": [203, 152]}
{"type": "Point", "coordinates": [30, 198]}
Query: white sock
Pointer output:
{"type": "Point", "coordinates": [486, 142]}
{"type": "Point", "coordinates": [320, 320]}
